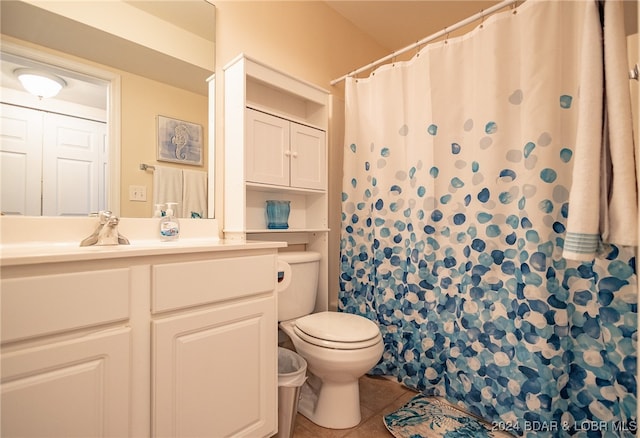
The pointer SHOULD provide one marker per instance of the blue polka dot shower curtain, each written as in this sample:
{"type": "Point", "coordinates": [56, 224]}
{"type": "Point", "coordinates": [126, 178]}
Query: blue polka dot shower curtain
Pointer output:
{"type": "Point", "coordinates": [457, 175]}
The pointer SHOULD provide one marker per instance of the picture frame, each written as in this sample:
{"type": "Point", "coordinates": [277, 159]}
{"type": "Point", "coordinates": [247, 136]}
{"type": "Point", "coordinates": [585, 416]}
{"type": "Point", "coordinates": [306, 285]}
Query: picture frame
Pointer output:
{"type": "Point", "coordinates": [179, 141]}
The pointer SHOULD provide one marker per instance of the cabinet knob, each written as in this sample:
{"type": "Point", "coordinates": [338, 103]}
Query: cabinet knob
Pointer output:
{"type": "Point", "coordinates": [287, 153]}
{"type": "Point", "coordinates": [294, 155]}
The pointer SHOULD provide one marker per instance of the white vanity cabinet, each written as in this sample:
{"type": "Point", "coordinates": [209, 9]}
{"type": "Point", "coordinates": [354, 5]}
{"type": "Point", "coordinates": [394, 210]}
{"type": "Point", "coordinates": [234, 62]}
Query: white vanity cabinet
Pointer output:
{"type": "Point", "coordinates": [284, 153]}
{"type": "Point", "coordinates": [214, 334]}
{"type": "Point", "coordinates": [165, 341]}
{"type": "Point", "coordinates": [65, 352]}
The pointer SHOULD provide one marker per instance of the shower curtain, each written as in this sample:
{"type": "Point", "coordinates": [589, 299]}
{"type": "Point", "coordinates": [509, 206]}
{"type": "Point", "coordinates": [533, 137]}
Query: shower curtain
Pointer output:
{"type": "Point", "coordinates": [458, 170]}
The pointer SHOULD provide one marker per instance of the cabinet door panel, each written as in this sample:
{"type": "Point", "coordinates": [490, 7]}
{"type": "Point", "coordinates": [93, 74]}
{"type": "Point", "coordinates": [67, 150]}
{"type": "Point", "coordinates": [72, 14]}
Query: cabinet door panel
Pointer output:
{"type": "Point", "coordinates": [215, 372]}
{"type": "Point", "coordinates": [308, 157]}
{"type": "Point", "coordinates": [267, 148]}
{"type": "Point", "coordinates": [76, 388]}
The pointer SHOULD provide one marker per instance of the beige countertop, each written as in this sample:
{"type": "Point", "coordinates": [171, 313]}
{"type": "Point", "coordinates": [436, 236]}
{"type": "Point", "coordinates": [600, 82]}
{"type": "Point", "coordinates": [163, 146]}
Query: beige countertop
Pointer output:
{"type": "Point", "coordinates": [32, 240]}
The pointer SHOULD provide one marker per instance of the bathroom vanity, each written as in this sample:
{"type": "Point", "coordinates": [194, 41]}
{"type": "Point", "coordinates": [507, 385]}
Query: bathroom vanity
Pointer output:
{"type": "Point", "coordinates": [148, 339]}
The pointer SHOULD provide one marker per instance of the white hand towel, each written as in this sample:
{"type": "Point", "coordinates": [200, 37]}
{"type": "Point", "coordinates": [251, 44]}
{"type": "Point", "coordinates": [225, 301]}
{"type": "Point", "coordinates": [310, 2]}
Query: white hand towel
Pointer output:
{"type": "Point", "coordinates": [583, 235]}
{"type": "Point", "coordinates": [167, 186]}
{"type": "Point", "coordinates": [194, 194]}
{"type": "Point", "coordinates": [622, 209]}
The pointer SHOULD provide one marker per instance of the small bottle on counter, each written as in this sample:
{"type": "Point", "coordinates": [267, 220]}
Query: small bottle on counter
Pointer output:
{"type": "Point", "coordinates": [169, 224]}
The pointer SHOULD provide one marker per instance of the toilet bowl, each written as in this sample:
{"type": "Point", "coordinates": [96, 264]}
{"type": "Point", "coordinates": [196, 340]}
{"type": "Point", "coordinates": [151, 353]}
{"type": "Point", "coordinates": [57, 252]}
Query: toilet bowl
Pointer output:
{"type": "Point", "coordinates": [339, 347]}
{"type": "Point", "coordinates": [331, 395]}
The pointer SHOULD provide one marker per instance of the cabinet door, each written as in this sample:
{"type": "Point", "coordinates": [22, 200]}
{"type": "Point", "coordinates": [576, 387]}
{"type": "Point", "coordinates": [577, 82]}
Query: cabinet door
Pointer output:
{"type": "Point", "coordinates": [308, 157]}
{"type": "Point", "coordinates": [267, 143]}
{"type": "Point", "coordinates": [75, 388]}
{"type": "Point", "coordinates": [215, 372]}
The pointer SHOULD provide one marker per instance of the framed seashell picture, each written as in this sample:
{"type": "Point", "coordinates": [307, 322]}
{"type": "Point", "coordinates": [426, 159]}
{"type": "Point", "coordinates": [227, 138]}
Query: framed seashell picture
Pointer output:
{"type": "Point", "coordinates": [179, 141]}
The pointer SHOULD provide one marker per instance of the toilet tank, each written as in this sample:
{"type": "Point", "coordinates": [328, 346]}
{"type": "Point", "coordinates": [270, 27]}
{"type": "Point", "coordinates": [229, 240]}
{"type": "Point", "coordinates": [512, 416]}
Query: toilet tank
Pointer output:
{"type": "Point", "coordinates": [297, 283]}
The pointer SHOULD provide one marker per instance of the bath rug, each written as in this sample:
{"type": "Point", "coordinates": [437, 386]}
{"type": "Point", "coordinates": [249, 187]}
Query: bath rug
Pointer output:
{"type": "Point", "coordinates": [433, 417]}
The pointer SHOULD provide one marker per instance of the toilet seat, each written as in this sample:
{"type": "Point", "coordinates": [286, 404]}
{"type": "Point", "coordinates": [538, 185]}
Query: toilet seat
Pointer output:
{"type": "Point", "coordinates": [340, 331]}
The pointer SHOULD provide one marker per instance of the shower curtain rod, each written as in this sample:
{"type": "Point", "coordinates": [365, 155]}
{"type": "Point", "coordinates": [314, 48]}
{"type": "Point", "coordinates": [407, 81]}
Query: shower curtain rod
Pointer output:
{"type": "Point", "coordinates": [445, 31]}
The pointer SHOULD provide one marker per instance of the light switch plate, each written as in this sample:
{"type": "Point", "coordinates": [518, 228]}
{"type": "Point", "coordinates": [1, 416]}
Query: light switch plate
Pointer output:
{"type": "Point", "coordinates": [138, 193]}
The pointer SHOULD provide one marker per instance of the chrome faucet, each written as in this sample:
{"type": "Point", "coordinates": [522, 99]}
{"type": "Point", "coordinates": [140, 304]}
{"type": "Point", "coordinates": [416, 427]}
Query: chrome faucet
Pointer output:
{"type": "Point", "coordinates": [106, 233]}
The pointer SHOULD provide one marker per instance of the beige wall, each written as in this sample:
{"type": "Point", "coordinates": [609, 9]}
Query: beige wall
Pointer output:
{"type": "Point", "coordinates": [308, 40]}
{"type": "Point", "coordinates": [142, 101]}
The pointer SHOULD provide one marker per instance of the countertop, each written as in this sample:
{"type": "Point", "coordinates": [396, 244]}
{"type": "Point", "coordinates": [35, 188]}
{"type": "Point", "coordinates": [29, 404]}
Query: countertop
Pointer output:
{"type": "Point", "coordinates": [33, 240]}
{"type": "Point", "coordinates": [52, 252]}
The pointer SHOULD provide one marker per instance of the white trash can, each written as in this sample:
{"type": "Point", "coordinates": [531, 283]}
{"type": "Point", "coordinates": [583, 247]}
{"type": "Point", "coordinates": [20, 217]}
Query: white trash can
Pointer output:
{"type": "Point", "coordinates": [292, 372]}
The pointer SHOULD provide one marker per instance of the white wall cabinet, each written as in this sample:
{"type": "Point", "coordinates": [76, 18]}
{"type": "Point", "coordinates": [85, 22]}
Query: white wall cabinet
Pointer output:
{"type": "Point", "coordinates": [176, 345]}
{"type": "Point", "coordinates": [284, 153]}
{"type": "Point", "coordinates": [276, 148]}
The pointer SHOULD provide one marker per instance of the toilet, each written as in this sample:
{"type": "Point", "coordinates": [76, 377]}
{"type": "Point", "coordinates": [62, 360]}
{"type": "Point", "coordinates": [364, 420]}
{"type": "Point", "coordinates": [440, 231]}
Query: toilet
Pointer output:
{"type": "Point", "coordinates": [339, 347]}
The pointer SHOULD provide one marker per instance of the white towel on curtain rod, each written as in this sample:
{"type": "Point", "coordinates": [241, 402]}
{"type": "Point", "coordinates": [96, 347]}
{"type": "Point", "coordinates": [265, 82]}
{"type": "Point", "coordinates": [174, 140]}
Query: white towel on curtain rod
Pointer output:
{"type": "Point", "coordinates": [622, 212]}
{"type": "Point", "coordinates": [611, 215]}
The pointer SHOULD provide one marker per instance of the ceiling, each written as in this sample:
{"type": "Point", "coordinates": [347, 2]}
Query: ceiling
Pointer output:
{"type": "Point", "coordinates": [194, 16]}
{"type": "Point", "coordinates": [397, 24]}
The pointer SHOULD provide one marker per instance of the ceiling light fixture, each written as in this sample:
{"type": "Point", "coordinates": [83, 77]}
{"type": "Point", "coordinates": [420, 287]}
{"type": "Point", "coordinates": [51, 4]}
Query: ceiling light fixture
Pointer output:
{"type": "Point", "coordinates": [40, 83]}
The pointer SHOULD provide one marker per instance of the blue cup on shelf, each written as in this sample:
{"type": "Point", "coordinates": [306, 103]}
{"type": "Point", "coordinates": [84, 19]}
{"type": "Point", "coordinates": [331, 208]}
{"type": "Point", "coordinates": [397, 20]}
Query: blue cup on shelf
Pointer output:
{"type": "Point", "coordinates": [278, 215]}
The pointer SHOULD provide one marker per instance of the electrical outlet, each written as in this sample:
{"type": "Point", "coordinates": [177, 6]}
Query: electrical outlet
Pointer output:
{"type": "Point", "coordinates": [138, 193]}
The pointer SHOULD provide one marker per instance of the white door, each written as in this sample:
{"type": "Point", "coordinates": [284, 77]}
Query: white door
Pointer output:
{"type": "Point", "coordinates": [267, 142]}
{"type": "Point", "coordinates": [75, 388]}
{"type": "Point", "coordinates": [308, 157]}
{"type": "Point", "coordinates": [73, 173]}
{"type": "Point", "coordinates": [214, 372]}
{"type": "Point", "coordinates": [20, 160]}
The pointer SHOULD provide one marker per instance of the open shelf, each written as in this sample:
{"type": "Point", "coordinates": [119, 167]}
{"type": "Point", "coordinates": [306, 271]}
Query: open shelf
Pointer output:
{"type": "Point", "coordinates": [260, 187]}
{"type": "Point", "coordinates": [289, 230]}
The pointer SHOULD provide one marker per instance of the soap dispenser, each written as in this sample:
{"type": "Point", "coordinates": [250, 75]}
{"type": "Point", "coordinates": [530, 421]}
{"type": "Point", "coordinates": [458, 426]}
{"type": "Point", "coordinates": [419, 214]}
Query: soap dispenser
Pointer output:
{"type": "Point", "coordinates": [169, 224]}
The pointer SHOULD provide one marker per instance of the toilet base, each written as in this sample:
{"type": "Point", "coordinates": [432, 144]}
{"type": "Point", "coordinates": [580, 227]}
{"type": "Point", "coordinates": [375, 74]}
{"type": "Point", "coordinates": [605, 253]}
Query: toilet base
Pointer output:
{"type": "Point", "coordinates": [330, 404]}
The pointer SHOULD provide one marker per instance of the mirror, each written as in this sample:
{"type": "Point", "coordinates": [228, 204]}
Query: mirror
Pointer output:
{"type": "Point", "coordinates": [154, 58]}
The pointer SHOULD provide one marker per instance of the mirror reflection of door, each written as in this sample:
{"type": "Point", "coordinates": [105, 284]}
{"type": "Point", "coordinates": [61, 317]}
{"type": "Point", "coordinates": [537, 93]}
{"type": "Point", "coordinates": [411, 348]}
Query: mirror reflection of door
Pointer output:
{"type": "Point", "coordinates": [53, 154]}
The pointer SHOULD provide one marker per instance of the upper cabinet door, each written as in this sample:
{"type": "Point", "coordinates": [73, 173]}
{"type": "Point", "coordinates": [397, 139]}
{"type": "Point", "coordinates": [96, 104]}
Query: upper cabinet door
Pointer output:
{"type": "Point", "coordinates": [308, 157]}
{"type": "Point", "coordinates": [267, 143]}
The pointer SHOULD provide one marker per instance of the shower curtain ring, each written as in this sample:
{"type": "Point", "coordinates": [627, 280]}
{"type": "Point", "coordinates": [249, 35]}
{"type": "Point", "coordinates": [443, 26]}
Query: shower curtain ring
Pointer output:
{"type": "Point", "coordinates": [481, 18]}
{"type": "Point", "coordinates": [446, 37]}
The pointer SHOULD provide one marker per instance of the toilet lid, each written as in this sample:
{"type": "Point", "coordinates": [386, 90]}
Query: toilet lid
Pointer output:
{"type": "Point", "coordinates": [338, 330]}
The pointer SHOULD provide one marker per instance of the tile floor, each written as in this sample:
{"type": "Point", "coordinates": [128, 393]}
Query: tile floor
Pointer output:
{"type": "Point", "coordinates": [378, 396]}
